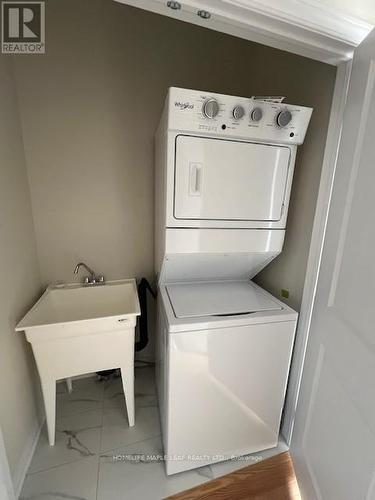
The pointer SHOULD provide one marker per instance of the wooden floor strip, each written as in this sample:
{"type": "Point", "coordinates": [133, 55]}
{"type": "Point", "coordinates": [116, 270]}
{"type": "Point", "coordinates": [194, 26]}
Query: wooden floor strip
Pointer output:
{"type": "Point", "coordinates": [271, 479]}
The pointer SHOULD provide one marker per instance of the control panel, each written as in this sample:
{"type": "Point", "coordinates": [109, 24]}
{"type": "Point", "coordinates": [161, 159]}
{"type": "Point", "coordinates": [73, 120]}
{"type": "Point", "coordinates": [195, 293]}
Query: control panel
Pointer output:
{"type": "Point", "coordinates": [245, 118]}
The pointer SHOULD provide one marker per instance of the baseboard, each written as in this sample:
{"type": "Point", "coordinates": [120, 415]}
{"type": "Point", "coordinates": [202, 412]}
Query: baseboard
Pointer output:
{"type": "Point", "coordinates": [27, 455]}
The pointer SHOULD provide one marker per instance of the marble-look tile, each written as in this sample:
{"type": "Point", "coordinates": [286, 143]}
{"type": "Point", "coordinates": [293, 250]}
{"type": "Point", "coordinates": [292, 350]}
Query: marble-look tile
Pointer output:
{"type": "Point", "coordinates": [113, 393]}
{"type": "Point", "coordinates": [87, 395]}
{"type": "Point", "coordinates": [75, 481]}
{"type": "Point", "coordinates": [144, 381]}
{"type": "Point", "coordinates": [117, 433]}
{"type": "Point", "coordinates": [144, 392]}
{"type": "Point", "coordinates": [72, 468]}
{"type": "Point", "coordinates": [144, 387]}
{"type": "Point", "coordinates": [132, 473]}
{"type": "Point", "coordinates": [77, 436]}
{"type": "Point", "coordinates": [205, 472]}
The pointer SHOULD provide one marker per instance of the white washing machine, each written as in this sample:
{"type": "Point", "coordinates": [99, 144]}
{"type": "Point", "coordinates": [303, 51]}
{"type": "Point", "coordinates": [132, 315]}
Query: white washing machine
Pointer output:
{"type": "Point", "coordinates": [224, 168]}
{"type": "Point", "coordinates": [224, 351]}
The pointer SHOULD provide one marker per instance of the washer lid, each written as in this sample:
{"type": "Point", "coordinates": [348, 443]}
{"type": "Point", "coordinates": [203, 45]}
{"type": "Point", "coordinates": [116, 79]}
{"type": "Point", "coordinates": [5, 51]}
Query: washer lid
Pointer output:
{"type": "Point", "coordinates": [223, 298]}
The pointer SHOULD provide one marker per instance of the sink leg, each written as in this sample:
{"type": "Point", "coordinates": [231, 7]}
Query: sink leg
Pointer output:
{"type": "Point", "coordinates": [49, 396]}
{"type": "Point", "coordinates": [127, 375]}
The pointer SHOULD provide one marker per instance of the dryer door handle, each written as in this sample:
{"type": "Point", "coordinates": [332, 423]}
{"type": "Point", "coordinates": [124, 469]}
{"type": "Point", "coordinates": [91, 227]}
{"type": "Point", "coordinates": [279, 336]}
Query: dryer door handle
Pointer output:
{"type": "Point", "coordinates": [195, 178]}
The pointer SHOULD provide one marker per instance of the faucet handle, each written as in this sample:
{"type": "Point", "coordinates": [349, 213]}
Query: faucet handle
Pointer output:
{"type": "Point", "coordinates": [86, 281]}
{"type": "Point", "coordinates": [101, 279]}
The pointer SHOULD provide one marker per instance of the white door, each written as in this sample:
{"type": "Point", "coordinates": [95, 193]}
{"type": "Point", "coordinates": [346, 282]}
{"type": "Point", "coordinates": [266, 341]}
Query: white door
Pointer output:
{"type": "Point", "coordinates": [218, 179]}
{"type": "Point", "coordinates": [333, 444]}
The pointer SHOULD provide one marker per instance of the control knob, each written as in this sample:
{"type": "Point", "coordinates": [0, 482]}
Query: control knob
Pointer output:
{"type": "Point", "coordinates": [210, 108]}
{"type": "Point", "coordinates": [284, 118]}
{"type": "Point", "coordinates": [256, 114]}
{"type": "Point", "coordinates": [238, 112]}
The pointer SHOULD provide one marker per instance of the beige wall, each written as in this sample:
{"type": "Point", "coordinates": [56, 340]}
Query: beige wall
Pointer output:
{"type": "Point", "coordinates": [19, 283]}
{"type": "Point", "coordinates": [90, 107]}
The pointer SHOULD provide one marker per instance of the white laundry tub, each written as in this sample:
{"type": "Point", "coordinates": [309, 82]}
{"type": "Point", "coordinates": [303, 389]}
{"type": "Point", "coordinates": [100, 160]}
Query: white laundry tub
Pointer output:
{"type": "Point", "coordinates": [75, 329]}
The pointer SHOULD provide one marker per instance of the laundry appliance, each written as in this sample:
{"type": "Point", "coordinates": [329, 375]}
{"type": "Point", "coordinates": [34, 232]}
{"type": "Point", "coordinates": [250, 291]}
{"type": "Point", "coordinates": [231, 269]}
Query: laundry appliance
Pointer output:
{"type": "Point", "coordinates": [224, 169]}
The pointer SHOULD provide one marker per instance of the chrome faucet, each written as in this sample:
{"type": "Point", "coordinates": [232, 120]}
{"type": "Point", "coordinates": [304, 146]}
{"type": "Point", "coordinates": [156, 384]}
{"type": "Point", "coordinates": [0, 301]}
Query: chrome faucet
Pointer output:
{"type": "Point", "coordinates": [93, 279]}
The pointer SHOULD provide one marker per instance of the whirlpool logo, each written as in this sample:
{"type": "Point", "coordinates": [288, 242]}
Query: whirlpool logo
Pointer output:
{"type": "Point", "coordinates": [183, 105]}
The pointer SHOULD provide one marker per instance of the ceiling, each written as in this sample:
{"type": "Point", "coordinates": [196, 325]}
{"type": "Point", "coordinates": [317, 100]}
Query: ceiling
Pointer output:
{"type": "Point", "coordinates": [325, 30]}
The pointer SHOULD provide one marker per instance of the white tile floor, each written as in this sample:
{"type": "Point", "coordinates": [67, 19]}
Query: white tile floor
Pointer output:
{"type": "Point", "coordinates": [92, 437]}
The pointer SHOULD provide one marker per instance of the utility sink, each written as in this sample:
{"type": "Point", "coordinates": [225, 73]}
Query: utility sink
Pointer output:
{"type": "Point", "coordinates": [75, 329]}
{"type": "Point", "coordinates": [70, 304]}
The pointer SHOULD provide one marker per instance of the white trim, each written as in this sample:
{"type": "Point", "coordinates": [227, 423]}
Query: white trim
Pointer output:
{"type": "Point", "coordinates": [6, 485]}
{"type": "Point", "coordinates": [311, 15]}
{"type": "Point", "coordinates": [304, 27]}
{"type": "Point", "coordinates": [27, 455]}
{"type": "Point", "coordinates": [316, 246]}
{"type": "Point", "coordinates": [313, 397]}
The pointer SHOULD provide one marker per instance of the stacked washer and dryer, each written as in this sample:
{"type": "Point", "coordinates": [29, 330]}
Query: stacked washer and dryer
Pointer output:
{"type": "Point", "coordinates": [224, 169]}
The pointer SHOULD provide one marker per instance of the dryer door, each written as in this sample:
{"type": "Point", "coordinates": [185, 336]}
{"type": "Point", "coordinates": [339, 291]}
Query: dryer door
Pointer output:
{"type": "Point", "coordinates": [219, 179]}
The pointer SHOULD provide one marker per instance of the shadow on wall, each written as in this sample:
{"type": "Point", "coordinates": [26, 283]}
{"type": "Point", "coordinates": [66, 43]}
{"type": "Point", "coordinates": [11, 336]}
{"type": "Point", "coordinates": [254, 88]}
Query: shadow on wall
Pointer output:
{"type": "Point", "coordinates": [20, 407]}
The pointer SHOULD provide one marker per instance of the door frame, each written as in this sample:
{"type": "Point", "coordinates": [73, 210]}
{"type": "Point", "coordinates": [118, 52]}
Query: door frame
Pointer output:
{"type": "Point", "coordinates": [316, 246]}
